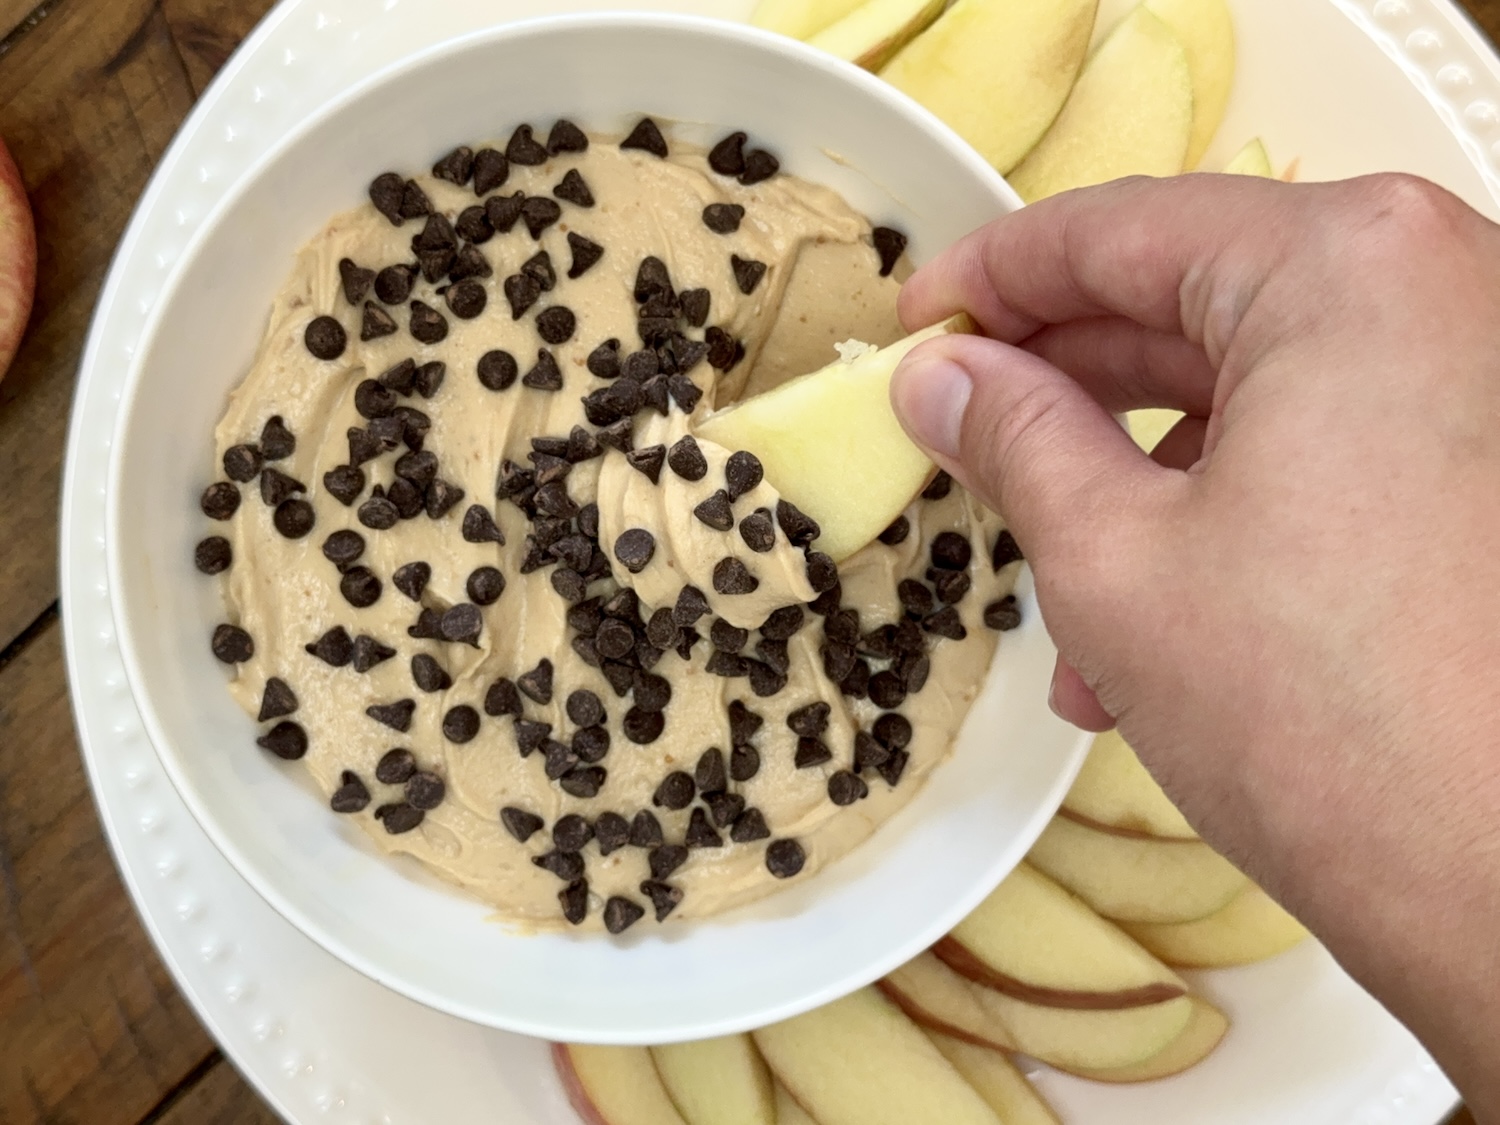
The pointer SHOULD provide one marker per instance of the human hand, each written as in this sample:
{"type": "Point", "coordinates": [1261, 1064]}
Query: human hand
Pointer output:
{"type": "Point", "coordinates": [1294, 613]}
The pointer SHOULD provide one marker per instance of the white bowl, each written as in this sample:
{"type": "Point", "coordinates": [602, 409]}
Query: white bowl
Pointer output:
{"type": "Point", "coordinates": [854, 921]}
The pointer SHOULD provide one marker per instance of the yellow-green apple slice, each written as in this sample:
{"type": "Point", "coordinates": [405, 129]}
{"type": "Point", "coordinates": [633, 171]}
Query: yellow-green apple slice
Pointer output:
{"type": "Point", "coordinates": [614, 1085]}
{"type": "Point", "coordinates": [1114, 791]}
{"type": "Point", "coordinates": [1148, 427]}
{"type": "Point", "coordinates": [1206, 30]}
{"type": "Point", "coordinates": [997, 71]}
{"type": "Point", "coordinates": [1069, 1038]}
{"type": "Point", "coordinates": [830, 443]}
{"type": "Point", "coordinates": [788, 1110]}
{"type": "Point", "coordinates": [801, 19]}
{"type": "Point", "coordinates": [1205, 1030]}
{"type": "Point", "coordinates": [1252, 160]}
{"type": "Point", "coordinates": [941, 1000]}
{"type": "Point", "coordinates": [17, 258]}
{"type": "Point", "coordinates": [1131, 113]}
{"type": "Point", "coordinates": [998, 1081]}
{"type": "Point", "coordinates": [1032, 940]}
{"type": "Point", "coordinates": [860, 1061]}
{"type": "Point", "coordinates": [876, 30]}
{"type": "Point", "coordinates": [720, 1081]}
{"type": "Point", "coordinates": [1251, 927]}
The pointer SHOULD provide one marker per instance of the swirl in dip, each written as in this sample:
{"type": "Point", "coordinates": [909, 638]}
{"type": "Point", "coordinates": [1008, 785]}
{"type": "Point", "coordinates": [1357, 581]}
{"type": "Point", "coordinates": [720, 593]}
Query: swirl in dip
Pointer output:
{"type": "Point", "coordinates": [514, 619]}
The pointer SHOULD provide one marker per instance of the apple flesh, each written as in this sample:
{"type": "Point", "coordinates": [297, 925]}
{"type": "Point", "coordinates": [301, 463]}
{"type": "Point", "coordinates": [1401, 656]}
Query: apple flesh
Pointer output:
{"type": "Point", "coordinates": [1071, 1039]}
{"type": "Point", "coordinates": [1032, 940]}
{"type": "Point", "coordinates": [1206, 30]}
{"type": "Point", "coordinates": [876, 30]}
{"type": "Point", "coordinates": [1136, 879]}
{"type": "Point", "coordinates": [1148, 427]}
{"type": "Point", "coordinates": [1252, 160]}
{"type": "Point", "coordinates": [721, 1081]}
{"type": "Point", "coordinates": [943, 1001]}
{"type": "Point", "coordinates": [860, 1061]}
{"type": "Point", "coordinates": [1251, 927]}
{"type": "Point", "coordinates": [788, 1111]}
{"type": "Point", "coordinates": [997, 71]}
{"type": "Point", "coordinates": [17, 258]}
{"type": "Point", "coordinates": [997, 1080]}
{"type": "Point", "coordinates": [830, 443]}
{"type": "Point", "coordinates": [1131, 113]}
{"type": "Point", "coordinates": [1204, 1031]}
{"type": "Point", "coordinates": [1113, 790]}
{"type": "Point", "coordinates": [801, 19]}
{"type": "Point", "coordinates": [613, 1085]}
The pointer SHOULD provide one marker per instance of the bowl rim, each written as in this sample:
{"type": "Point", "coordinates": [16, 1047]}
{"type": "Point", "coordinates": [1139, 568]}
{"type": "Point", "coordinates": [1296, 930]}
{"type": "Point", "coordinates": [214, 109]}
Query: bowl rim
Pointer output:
{"type": "Point", "coordinates": [268, 889]}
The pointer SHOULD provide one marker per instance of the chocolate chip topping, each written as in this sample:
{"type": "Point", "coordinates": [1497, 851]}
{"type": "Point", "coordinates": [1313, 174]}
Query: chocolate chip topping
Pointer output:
{"type": "Point", "coordinates": [360, 587]}
{"type": "Point", "coordinates": [480, 527]}
{"type": "Point", "coordinates": [585, 781]}
{"type": "Point", "coordinates": [648, 461]}
{"type": "Point", "coordinates": [287, 740]}
{"type": "Point", "coordinates": [844, 788]}
{"type": "Point", "coordinates": [726, 637]}
{"type": "Point", "coordinates": [664, 897]}
{"type": "Point", "coordinates": [456, 167]}
{"type": "Point", "coordinates": [485, 585]}
{"type": "Point", "coordinates": [393, 283]}
{"type": "Point", "coordinates": [523, 148]}
{"type": "Point", "coordinates": [760, 165]}
{"type": "Point", "coordinates": [941, 485]}
{"type": "Point", "coordinates": [1006, 551]}
{"type": "Point", "coordinates": [950, 585]}
{"type": "Point", "coordinates": [893, 732]}
{"type": "Point", "coordinates": [491, 170]}
{"type": "Point", "coordinates": [566, 137]}
{"type": "Point", "coordinates": [395, 767]}
{"type": "Point", "coordinates": [723, 218]}
{"type": "Point", "coordinates": [276, 486]}
{"type": "Point", "coordinates": [946, 623]}
{"type": "Point", "coordinates": [536, 684]}
{"type": "Point", "coordinates": [732, 577]}
{"type": "Point", "coordinates": [497, 370]}
{"type": "Point", "coordinates": [574, 900]}
{"type": "Point", "coordinates": [545, 375]}
{"type": "Point", "coordinates": [799, 528]}
{"type": "Point", "coordinates": [539, 213]}
{"type": "Point", "coordinates": [467, 299]}
{"type": "Point", "coordinates": [809, 721]}
{"type": "Point", "coordinates": [232, 645]}
{"type": "Point", "coordinates": [412, 578]}
{"type": "Point", "coordinates": [375, 322]}
{"type": "Point", "coordinates": [473, 225]}
{"type": "Point", "coordinates": [565, 865]}
{"type": "Point", "coordinates": [811, 752]}
{"type": "Point", "coordinates": [519, 823]}
{"type": "Point", "coordinates": [716, 511]}
{"type": "Point", "coordinates": [325, 338]}
{"type": "Point", "coordinates": [441, 498]}
{"type": "Point", "coordinates": [399, 818]}
{"type": "Point", "coordinates": [890, 245]}
{"type": "Point", "coordinates": [556, 325]}
{"type": "Point", "coordinates": [425, 790]}
{"type": "Point", "coordinates": [727, 157]}
{"type": "Point", "coordinates": [334, 647]}
{"type": "Point", "coordinates": [621, 913]}
{"type": "Point", "coordinates": [427, 325]}
{"type": "Point", "coordinates": [647, 137]}
{"type": "Point", "coordinates": [242, 463]}
{"type": "Point", "coordinates": [611, 831]}
{"type": "Point", "coordinates": [700, 833]}
{"type": "Point", "coordinates": [822, 571]}
{"type": "Point", "coordinates": [742, 472]}
{"type": "Point", "coordinates": [634, 549]}
{"type": "Point", "coordinates": [747, 273]}
{"type": "Point", "coordinates": [725, 808]}
{"type": "Point", "coordinates": [414, 201]}
{"type": "Point", "coordinates": [504, 210]}
{"type": "Point", "coordinates": [758, 530]}
{"type": "Point", "coordinates": [643, 727]}
{"type": "Point", "coordinates": [428, 674]}
{"type": "Point", "coordinates": [461, 624]}
{"type": "Point", "coordinates": [709, 774]}
{"type": "Point", "coordinates": [276, 701]}
{"type": "Point", "coordinates": [896, 533]}
{"type": "Point", "coordinates": [645, 830]}
{"type": "Point", "coordinates": [386, 191]}
{"type": "Point", "coordinates": [1003, 615]}
{"type": "Point", "coordinates": [351, 796]}
{"type": "Point", "coordinates": [785, 858]}
{"type": "Point", "coordinates": [749, 827]}
{"type": "Point", "coordinates": [687, 460]}
{"type": "Point", "coordinates": [461, 723]}
{"type": "Point", "coordinates": [521, 292]}
{"type": "Point", "coordinates": [951, 551]}
{"type": "Point", "coordinates": [213, 555]}
{"type": "Point", "coordinates": [586, 254]}
{"type": "Point", "coordinates": [571, 832]}
{"type": "Point", "coordinates": [344, 483]}
{"type": "Point", "coordinates": [574, 189]}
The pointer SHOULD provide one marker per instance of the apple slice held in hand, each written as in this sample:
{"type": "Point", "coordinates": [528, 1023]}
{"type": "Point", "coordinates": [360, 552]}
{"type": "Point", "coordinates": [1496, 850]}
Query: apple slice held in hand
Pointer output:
{"type": "Point", "coordinates": [830, 443]}
{"type": "Point", "coordinates": [876, 30]}
{"type": "Point", "coordinates": [860, 1061]}
{"type": "Point", "coordinates": [801, 19]}
{"type": "Point", "coordinates": [1251, 927]}
{"type": "Point", "coordinates": [613, 1085]}
{"type": "Point", "coordinates": [721, 1081]}
{"type": "Point", "coordinates": [997, 1080]}
{"type": "Point", "coordinates": [17, 258]}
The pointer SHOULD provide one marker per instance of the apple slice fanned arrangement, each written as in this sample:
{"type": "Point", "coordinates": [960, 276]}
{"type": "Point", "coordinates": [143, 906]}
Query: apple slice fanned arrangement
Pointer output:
{"type": "Point", "coordinates": [1071, 962]}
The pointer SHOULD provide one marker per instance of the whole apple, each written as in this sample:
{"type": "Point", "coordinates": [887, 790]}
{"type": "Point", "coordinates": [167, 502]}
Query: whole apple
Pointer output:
{"type": "Point", "coordinates": [17, 258]}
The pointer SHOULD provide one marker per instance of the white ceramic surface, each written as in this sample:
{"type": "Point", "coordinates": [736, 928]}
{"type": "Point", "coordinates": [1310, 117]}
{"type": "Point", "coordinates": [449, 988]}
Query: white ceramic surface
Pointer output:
{"type": "Point", "coordinates": [1349, 85]}
{"type": "Point", "coordinates": [814, 940]}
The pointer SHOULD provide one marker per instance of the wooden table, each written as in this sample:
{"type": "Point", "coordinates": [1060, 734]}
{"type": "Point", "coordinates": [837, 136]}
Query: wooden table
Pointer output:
{"type": "Point", "coordinates": [92, 1030]}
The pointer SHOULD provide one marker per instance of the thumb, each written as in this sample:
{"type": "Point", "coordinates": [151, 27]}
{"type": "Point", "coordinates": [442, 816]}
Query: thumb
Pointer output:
{"type": "Point", "coordinates": [1026, 439]}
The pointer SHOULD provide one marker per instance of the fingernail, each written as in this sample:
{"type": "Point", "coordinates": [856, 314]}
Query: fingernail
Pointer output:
{"type": "Point", "coordinates": [930, 395]}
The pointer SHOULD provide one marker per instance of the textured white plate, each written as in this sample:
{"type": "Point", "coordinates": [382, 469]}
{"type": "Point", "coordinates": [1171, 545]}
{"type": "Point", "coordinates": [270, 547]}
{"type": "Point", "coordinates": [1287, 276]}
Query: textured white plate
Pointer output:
{"type": "Point", "coordinates": [1349, 86]}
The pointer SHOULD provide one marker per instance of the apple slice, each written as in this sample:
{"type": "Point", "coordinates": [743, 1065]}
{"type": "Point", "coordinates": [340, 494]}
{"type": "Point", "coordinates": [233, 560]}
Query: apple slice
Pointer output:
{"type": "Point", "coordinates": [1206, 30]}
{"type": "Point", "coordinates": [1252, 160]}
{"type": "Point", "coordinates": [998, 1081]}
{"type": "Point", "coordinates": [721, 1081]}
{"type": "Point", "coordinates": [1113, 790]}
{"type": "Point", "coordinates": [1131, 113]}
{"type": "Point", "coordinates": [860, 1061]}
{"type": "Point", "coordinates": [1107, 1039]}
{"type": "Point", "coordinates": [1032, 940]}
{"type": "Point", "coordinates": [17, 258]}
{"type": "Point", "coordinates": [830, 442]}
{"type": "Point", "coordinates": [1205, 1030]}
{"type": "Point", "coordinates": [801, 19]}
{"type": "Point", "coordinates": [997, 71]}
{"type": "Point", "coordinates": [788, 1111]}
{"type": "Point", "coordinates": [876, 30]}
{"type": "Point", "coordinates": [1251, 927]}
{"type": "Point", "coordinates": [1136, 879]}
{"type": "Point", "coordinates": [941, 1000]}
{"type": "Point", "coordinates": [614, 1085]}
{"type": "Point", "coordinates": [1148, 427]}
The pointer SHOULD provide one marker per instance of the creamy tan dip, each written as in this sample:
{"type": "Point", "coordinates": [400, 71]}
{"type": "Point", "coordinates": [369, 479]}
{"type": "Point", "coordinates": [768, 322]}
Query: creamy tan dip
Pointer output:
{"type": "Point", "coordinates": [592, 715]}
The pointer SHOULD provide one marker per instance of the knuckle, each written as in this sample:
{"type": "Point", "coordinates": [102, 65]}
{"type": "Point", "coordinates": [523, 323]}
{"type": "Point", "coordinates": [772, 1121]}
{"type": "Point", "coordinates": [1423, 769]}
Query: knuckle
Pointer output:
{"type": "Point", "coordinates": [1403, 212]}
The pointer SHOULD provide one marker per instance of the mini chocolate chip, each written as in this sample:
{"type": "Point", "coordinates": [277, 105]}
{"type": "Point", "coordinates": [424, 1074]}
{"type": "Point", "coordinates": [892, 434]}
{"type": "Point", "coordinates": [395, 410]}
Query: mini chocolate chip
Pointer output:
{"type": "Point", "coordinates": [351, 796]}
{"type": "Point", "coordinates": [427, 326]}
{"type": "Point", "coordinates": [375, 322]}
{"type": "Point", "coordinates": [276, 700]}
{"type": "Point", "coordinates": [571, 832]}
{"type": "Point", "coordinates": [641, 365]}
{"type": "Point", "coordinates": [1006, 551]}
{"type": "Point", "coordinates": [908, 638]}
{"type": "Point", "coordinates": [894, 767]}
{"type": "Point", "coordinates": [412, 578]}
{"type": "Point", "coordinates": [485, 585]}
{"type": "Point", "coordinates": [425, 790]}
{"type": "Point", "coordinates": [828, 601]}
{"type": "Point", "coordinates": [294, 518]}
{"type": "Point", "coordinates": [747, 273]}
{"type": "Point", "coordinates": [727, 637]}
{"type": "Point", "coordinates": [419, 468]}
{"type": "Point", "coordinates": [213, 555]}
{"type": "Point", "coordinates": [838, 660]}
{"type": "Point", "coordinates": [645, 830]}
{"type": "Point", "coordinates": [344, 483]}
{"type": "Point", "coordinates": [537, 683]}
{"type": "Point", "coordinates": [566, 137]}
{"type": "Point", "coordinates": [556, 325]}
{"type": "Point", "coordinates": [565, 865]}
{"type": "Point", "coordinates": [519, 823]}
{"type": "Point", "coordinates": [664, 858]}
{"type": "Point", "coordinates": [441, 498]}
{"type": "Point", "coordinates": [428, 674]}
{"type": "Point", "coordinates": [393, 284]}
{"type": "Point", "coordinates": [583, 446]}
{"type": "Point", "coordinates": [436, 234]}
{"type": "Point", "coordinates": [664, 897]}
{"type": "Point", "coordinates": [725, 808]}
{"type": "Point", "coordinates": [467, 299]}
{"type": "Point", "coordinates": [614, 640]}
{"type": "Point", "coordinates": [950, 585]}
{"type": "Point", "coordinates": [462, 624]}
{"type": "Point", "coordinates": [1003, 615]}
{"type": "Point", "coordinates": [695, 305]}
{"type": "Point", "coordinates": [868, 753]}
{"type": "Point", "coordinates": [893, 731]}
{"type": "Point", "coordinates": [497, 370]}
{"type": "Point", "coordinates": [643, 727]}
{"type": "Point", "coordinates": [743, 724]}
{"type": "Point", "coordinates": [822, 571]}
{"type": "Point", "coordinates": [785, 858]}
{"type": "Point", "coordinates": [656, 394]}
{"type": "Point", "coordinates": [414, 201]}
{"type": "Point", "coordinates": [610, 829]}
{"type": "Point", "coordinates": [545, 375]}
{"type": "Point", "coordinates": [742, 472]}
{"type": "Point", "coordinates": [242, 463]}
{"type": "Point", "coordinates": [758, 530]}
{"type": "Point", "coordinates": [276, 486]}
{"type": "Point", "coordinates": [887, 690]}
{"type": "Point", "coordinates": [857, 683]}
{"type": "Point", "coordinates": [399, 818]}
{"type": "Point", "coordinates": [368, 652]}
{"type": "Point", "coordinates": [604, 360]}
{"type": "Point", "coordinates": [430, 377]}
{"type": "Point", "coordinates": [407, 498]}
{"type": "Point", "coordinates": [456, 167]}
{"type": "Point", "coordinates": [356, 280]}
{"type": "Point", "coordinates": [287, 740]}
{"type": "Point", "coordinates": [502, 698]}
{"type": "Point", "coordinates": [723, 218]}
{"type": "Point", "coordinates": [574, 900]}
{"type": "Point", "coordinates": [700, 833]}
{"type": "Point", "coordinates": [400, 377]}
{"type": "Point", "coordinates": [916, 599]}
{"type": "Point", "coordinates": [896, 533]}
{"type": "Point", "coordinates": [941, 485]}
{"type": "Point", "coordinates": [585, 781]}
{"type": "Point", "coordinates": [844, 788]}
{"type": "Point", "coordinates": [951, 551]}
{"type": "Point", "coordinates": [799, 528]}
{"type": "Point", "coordinates": [325, 338]}
{"type": "Point", "coordinates": [647, 137]}
{"type": "Point", "coordinates": [760, 165]}
{"type": "Point", "coordinates": [395, 767]}
{"type": "Point", "coordinates": [732, 577]}
{"type": "Point", "coordinates": [709, 774]}
{"type": "Point", "coordinates": [811, 752]}
{"type": "Point", "coordinates": [539, 213]}
{"type": "Point", "coordinates": [662, 630]}
{"type": "Point", "coordinates": [523, 148]}
{"type": "Point", "coordinates": [716, 511]}
{"type": "Point", "coordinates": [491, 169]}
{"type": "Point", "coordinates": [634, 549]}
{"type": "Point", "coordinates": [396, 715]}
{"type": "Point", "coordinates": [726, 664]}
{"type": "Point", "coordinates": [652, 279]}
{"type": "Point", "coordinates": [724, 351]}
{"type": "Point", "coordinates": [591, 743]}
{"type": "Point", "coordinates": [809, 721]}
{"type": "Point", "coordinates": [503, 210]}
{"type": "Point", "coordinates": [727, 157]}
{"type": "Point", "coordinates": [364, 445]}
{"type": "Point", "coordinates": [842, 627]}
{"type": "Point", "coordinates": [945, 623]}
{"type": "Point", "coordinates": [470, 264]}
{"type": "Point", "coordinates": [574, 189]}
{"type": "Point", "coordinates": [461, 723]}
{"type": "Point", "coordinates": [334, 647]}
{"type": "Point", "coordinates": [749, 826]}
{"type": "Point", "coordinates": [231, 644]}
{"type": "Point", "coordinates": [386, 190]}
{"type": "Point", "coordinates": [890, 245]}
{"type": "Point", "coordinates": [480, 527]}
{"type": "Point", "coordinates": [360, 587]}
{"type": "Point", "coordinates": [373, 399]}
{"type": "Point", "coordinates": [276, 441]}
{"type": "Point", "coordinates": [775, 654]}
{"type": "Point", "coordinates": [783, 623]}
{"type": "Point", "coordinates": [474, 226]}
{"type": "Point", "coordinates": [621, 913]}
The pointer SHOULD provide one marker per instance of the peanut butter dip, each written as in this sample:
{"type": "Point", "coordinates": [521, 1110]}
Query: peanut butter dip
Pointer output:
{"type": "Point", "coordinates": [515, 620]}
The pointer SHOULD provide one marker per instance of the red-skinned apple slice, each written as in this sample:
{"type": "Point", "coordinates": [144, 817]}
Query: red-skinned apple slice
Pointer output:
{"type": "Point", "coordinates": [614, 1085]}
{"type": "Point", "coordinates": [721, 1081]}
{"type": "Point", "coordinates": [943, 1001]}
{"type": "Point", "coordinates": [17, 258]}
{"type": "Point", "coordinates": [1205, 1029]}
{"type": "Point", "coordinates": [1252, 927]}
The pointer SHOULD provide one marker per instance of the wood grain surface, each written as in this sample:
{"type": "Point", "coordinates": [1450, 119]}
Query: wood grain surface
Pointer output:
{"type": "Point", "coordinates": [92, 1029]}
